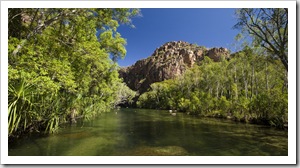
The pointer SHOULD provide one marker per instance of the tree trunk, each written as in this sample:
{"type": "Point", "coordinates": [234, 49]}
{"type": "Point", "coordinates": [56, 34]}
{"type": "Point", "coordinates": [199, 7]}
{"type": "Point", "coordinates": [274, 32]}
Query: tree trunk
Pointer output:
{"type": "Point", "coordinates": [246, 89]}
{"type": "Point", "coordinates": [267, 76]}
{"type": "Point", "coordinates": [285, 85]}
{"type": "Point", "coordinates": [235, 81]}
{"type": "Point", "coordinates": [245, 83]}
{"type": "Point", "coordinates": [252, 80]}
{"type": "Point", "coordinates": [217, 90]}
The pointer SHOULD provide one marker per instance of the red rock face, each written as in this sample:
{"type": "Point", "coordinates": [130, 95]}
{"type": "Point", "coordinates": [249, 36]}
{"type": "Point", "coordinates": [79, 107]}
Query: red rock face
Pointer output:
{"type": "Point", "coordinates": [166, 62]}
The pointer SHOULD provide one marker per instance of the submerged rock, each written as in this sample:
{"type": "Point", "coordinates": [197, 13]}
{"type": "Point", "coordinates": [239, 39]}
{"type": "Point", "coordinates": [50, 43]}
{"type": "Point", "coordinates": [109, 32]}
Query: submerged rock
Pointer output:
{"type": "Point", "coordinates": [77, 135]}
{"type": "Point", "coordinates": [157, 151]}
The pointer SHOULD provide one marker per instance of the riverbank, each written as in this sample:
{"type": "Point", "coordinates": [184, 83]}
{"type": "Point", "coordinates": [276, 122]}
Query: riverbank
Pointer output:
{"type": "Point", "coordinates": [243, 119]}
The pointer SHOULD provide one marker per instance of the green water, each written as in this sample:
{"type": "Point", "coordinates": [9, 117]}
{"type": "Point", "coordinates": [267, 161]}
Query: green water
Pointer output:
{"type": "Point", "coordinates": [134, 132]}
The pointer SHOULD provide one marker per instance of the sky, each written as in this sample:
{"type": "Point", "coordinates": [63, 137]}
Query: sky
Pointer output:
{"type": "Point", "coordinates": [209, 27]}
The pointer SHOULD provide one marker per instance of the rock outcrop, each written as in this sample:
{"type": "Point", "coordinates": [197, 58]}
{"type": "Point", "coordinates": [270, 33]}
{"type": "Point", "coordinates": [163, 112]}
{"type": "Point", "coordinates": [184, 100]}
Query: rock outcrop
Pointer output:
{"type": "Point", "coordinates": [166, 62]}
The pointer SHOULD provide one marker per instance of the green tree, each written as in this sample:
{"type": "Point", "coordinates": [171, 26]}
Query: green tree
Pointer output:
{"type": "Point", "coordinates": [124, 95]}
{"type": "Point", "coordinates": [64, 55]}
{"type": "Point", "coordinates": [268, 27]}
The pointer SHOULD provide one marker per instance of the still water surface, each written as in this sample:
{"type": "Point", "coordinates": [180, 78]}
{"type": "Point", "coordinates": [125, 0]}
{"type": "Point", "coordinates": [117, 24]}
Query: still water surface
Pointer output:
{"type": "Point", "coordinates": [139, 132]}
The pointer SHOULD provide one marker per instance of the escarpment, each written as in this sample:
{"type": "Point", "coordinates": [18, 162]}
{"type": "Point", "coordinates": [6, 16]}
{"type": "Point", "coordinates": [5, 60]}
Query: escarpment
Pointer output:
{"type": "Point", "coordinates": [168, 61]}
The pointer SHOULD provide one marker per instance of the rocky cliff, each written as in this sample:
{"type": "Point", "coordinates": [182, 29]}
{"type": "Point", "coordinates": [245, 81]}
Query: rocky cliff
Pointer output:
{"type": "Point", "coordinates": [166, 62]}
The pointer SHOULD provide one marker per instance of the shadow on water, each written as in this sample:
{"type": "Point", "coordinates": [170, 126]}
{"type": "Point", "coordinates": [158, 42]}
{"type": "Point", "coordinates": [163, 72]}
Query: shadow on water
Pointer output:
{"type": "Point", "coordinates": [135, 132]}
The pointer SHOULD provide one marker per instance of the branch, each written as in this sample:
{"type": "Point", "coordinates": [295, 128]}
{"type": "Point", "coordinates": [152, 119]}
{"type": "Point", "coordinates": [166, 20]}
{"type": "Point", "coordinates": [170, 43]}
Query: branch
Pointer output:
{"type": "Point", "coordinates": [37, 29]}
{"type": "Point", "coordinates": [257, 16]}
{"type": "Point", "coordinates": [265, 39]}
{"type": "Point", "coordinates": [16, 16]}
{"type": "Point", "coordinates": [271, 34]}
{"type": "Point", "coordinates": [278, 27]}
{"type": "Point", "coordinates": [36, 12]}
{"type": "Point", "coordinates": [262, 31]}
{"type": "Point", "coordinates": [270, 17]}
{"type": "Point", "coordinates": [285, 29]}
{"type": "Point", "coordinates": [41, 27]}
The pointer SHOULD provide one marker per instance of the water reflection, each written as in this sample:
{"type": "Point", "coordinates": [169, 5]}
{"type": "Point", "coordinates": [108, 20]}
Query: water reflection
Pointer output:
{"type": "Point", "coordinates": [134, 132]}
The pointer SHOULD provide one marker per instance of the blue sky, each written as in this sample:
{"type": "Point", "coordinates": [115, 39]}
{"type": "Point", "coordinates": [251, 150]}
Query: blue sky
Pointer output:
{"type": "Point", "coordinates": [207, 27]}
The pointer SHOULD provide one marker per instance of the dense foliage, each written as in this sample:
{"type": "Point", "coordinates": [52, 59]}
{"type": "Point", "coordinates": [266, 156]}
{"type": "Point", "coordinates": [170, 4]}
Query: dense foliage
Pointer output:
{"type": "Point", "coordinates": [248, 87]}
{"type": "Point", "coordinates": [62, 65]}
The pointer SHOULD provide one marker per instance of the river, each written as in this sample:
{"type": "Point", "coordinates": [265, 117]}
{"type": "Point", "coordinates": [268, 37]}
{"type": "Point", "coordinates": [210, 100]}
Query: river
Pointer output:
{"type": "Point", "coordinates": [140, 132]}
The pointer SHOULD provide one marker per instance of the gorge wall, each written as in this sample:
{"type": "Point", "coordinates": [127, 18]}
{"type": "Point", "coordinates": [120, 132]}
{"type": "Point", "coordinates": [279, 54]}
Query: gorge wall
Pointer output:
{"type": "Point", "coordinates": [166, 62]}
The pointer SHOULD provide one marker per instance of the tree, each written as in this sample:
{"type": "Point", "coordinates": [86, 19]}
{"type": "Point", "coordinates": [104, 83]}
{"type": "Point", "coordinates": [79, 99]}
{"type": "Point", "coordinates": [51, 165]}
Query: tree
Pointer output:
{"type": "Point", "coordinates": [124, 95]}
{"type": "Point", "coordinates": [64, 56]}
{"type": "Point", "coordinates": [268, 27]}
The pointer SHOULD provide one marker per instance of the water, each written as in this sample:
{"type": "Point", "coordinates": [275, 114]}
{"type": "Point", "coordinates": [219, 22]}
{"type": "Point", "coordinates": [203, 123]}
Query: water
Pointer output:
{"type": "Point", "coordinates": [139, 132]}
